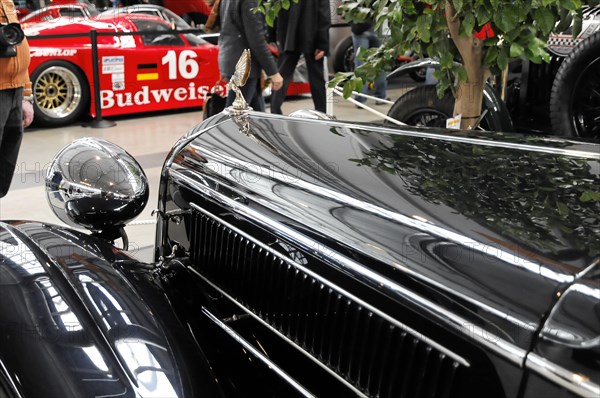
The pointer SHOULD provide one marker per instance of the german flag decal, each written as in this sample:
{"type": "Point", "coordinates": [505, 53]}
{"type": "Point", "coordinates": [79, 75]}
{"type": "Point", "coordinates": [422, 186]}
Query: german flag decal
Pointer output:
{"type": "Point", "coordinates": [147, 72]}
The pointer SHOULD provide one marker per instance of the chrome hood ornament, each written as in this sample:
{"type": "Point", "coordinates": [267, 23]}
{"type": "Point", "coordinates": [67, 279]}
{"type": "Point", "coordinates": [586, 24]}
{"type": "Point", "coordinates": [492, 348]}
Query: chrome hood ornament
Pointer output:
{"type": "Point", "coordinates": [239, 78]}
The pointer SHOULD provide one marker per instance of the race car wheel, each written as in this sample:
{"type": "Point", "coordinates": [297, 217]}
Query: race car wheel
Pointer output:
{"type": "Point", "coordinates": [575, 97]}
{"type": "Point", "coordinates": [61, 93]}
{"type": "Point", "coordinates": [343, 60]}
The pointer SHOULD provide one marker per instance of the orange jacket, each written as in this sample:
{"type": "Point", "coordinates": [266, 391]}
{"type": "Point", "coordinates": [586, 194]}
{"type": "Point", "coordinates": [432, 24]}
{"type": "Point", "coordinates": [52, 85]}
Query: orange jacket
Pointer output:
{"type": "Point", "coordinates": [13, 71]}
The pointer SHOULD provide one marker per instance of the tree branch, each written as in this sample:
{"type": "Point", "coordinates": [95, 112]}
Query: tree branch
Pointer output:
{"type": "Point", "coordinates": [453, 22]}
{"type": "Point", "coordinates": [469, 47]}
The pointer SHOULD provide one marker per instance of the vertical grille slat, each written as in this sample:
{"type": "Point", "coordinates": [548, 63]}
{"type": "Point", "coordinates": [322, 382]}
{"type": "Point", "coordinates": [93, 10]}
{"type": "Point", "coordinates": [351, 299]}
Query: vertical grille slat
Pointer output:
{"type": "Point", "coordinates": [362, 337]}
{"type": "Point", "coordinates": [421, 374]}
{"type": "Point", "coordinates": [300, 309]}
{"type": "Point", "coordinates": [400, 365]}
{"type": "Point", "coordinates": [291, 303]}
{"type": "Point", "coordinates": [279, 303]}
{"type": "Point", "coordinates": [210, 235]}
{"type": "Point", "coordinates": [324, 324]}
{"type": "Point", "coordinates": [434, 375]}
{"type": "Point", "coordinates": [227, 249]}
{"type": "Point", "coordinates": [348, 347]}
{"type": "Point", "coordinates": [332, 328]}
{"type": "Point", "coordinates": [364, 348]}
{"type": "Point", "coordinates": [408, 367]}
{"type": "Point", "coordinates": [310, 293]}
{"type": "Point", "coordinates": [219, 255]}
{"type": "Point", "coordinates": [265, 286]}
{"type": "Point", "coordinates": [255, 279]}
{"type": "Point", "coordinates": [379, 376]}
{"type": "Point", "coordinates": [296, 305]}
{"type": "Point", "coordinates": [221, 249]}
{"type": "Point", "coordinates": [341, 333]}
{"type": "Point", "coordinates": [446, 386]}
{"type": "Point", "coordinates": [245, 258]}
{"type": "Point", "coordinates": [369, 370]}
{"type": "Point", "coordinates": [270, 286]}
{"type": "Point", "coordinates": [204, 238]}
{"type": "Point", "coordinates": [317, 316]}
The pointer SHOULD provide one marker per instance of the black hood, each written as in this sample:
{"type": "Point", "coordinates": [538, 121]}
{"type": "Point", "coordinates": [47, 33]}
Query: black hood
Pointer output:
{"type": "Point", "coordinates": [495, 224]}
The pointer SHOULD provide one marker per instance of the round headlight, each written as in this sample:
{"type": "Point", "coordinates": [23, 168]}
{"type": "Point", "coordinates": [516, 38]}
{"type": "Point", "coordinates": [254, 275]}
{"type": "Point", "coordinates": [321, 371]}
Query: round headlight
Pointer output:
{"type": "Point", "coordinates": [96, 184]}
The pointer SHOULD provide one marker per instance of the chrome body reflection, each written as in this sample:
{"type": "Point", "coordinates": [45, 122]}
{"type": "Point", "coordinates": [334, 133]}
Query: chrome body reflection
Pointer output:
{"type": "Point", "coordinates": [96, 184]}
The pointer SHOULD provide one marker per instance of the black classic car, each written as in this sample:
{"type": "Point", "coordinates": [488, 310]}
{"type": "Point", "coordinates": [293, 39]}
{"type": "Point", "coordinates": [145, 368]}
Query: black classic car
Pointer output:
{"type": "Point", "coordinates": [301, 256]}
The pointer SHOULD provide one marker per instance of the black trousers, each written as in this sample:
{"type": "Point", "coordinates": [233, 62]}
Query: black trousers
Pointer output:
{"type": "Point", "coordinates": [11, 134]}
{"type": "Point", "coordinates": [316, 77]}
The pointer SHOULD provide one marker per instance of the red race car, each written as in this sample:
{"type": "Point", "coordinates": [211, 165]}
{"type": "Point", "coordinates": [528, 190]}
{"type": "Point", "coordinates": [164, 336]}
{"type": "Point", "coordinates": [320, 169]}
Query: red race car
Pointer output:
{"type": "Point", "coordinates": [155, 71]}
{"type": "Point", "coordinates": [137, 73]}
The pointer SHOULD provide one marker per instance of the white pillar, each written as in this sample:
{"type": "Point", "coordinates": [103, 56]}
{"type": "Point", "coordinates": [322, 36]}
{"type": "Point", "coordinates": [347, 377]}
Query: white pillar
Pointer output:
{"type": "Point", "coordinates": [328, 91]}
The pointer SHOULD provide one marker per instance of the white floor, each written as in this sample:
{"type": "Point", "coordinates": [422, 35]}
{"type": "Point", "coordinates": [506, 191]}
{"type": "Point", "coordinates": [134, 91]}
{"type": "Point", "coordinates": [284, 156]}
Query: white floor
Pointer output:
{"type": "Point", "coordinates": [148, 138]}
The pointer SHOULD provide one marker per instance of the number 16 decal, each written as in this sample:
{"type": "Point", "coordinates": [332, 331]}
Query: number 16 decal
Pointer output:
{"type": "Point", "coordinates": [186, 66]}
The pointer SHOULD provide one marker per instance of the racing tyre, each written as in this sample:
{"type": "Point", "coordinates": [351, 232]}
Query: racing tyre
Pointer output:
{"type": "Point", "coordinates": [575, 97]}
{"type": "Point", "coordinates": [61, 93]}
{"type": "Point", "coordinates": [343, 60]}
{"type": "Point", "coordinates": [422, 107]}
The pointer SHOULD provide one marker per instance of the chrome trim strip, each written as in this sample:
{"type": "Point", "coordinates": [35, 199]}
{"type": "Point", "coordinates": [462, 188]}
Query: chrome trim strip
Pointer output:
{"type": "Point", "coordinates": [258, 354]}
{"type": "Point", "coordinates": [15, 391]}
{"type": "Point", "coordinates": [589, 269]}
{"type": "Point", "coordinates": [502, 347]}
{"type": "Point", "coordinates": [278, 333]}
{"type": "Point", "coordinates": [574, 382]}
{"type": "Point", "coordinates": [338, 289]}
{"type": "Point", "coordinates": [451, 138]}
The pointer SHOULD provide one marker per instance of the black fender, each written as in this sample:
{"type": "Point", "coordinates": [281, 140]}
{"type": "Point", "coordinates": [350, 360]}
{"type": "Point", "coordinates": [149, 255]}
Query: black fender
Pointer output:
{"type": "Point", "coordinates": [74, 326]}
{"type": "Point", "coordinates": [493, 103]}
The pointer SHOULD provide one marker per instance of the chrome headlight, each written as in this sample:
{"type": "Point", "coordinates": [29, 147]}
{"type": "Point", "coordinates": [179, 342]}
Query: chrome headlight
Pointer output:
{"type": "Point", "coordinates": [96, 184]}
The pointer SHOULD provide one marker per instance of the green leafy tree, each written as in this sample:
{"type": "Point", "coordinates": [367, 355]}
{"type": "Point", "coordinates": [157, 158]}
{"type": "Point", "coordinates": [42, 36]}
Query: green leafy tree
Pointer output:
{"type": "Point", "coordinates": [459, 34]}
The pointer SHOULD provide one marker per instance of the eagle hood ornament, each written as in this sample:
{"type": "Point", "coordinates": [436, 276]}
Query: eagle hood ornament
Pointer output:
{"type": "Point", "coordinates": [239, 78]}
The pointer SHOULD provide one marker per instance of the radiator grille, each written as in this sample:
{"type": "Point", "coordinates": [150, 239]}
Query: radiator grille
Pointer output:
{"type": "Point", "coordinates": [374, 355]}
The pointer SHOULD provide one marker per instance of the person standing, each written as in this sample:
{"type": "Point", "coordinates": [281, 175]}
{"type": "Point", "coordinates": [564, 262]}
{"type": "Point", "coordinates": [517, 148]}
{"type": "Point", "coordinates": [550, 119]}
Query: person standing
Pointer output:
{"type": "Point", "coordinates": [242, 28]}
{"type": "Point", "coordinates": [365, 36]}
{"type": "Point", "coordinates": [303, 29]}
{"type": "Point", "coordinates": [16, 101]}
